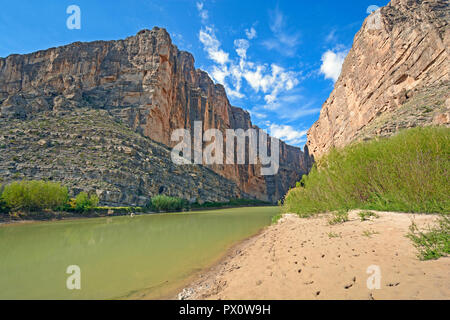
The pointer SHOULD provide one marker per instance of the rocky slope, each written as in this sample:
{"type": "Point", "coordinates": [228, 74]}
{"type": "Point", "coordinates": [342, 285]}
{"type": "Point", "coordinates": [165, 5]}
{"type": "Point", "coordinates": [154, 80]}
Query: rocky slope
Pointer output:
{"type": "Point", "coordinates": [151, 87]}
{"type": "Point", "coordinates": [395, 76]}
{"type": "Point", "coordinates": [89, 150]}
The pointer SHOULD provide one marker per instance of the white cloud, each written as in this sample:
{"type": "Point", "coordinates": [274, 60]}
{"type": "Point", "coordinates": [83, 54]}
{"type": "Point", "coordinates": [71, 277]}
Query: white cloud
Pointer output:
{"type": "Point", "coordinates": [220, 73]}
{"type": "Point", "coordinates": [331, 36]}
{"type": "Point", "coordinates": [212, 46]}
{"type": "Point", "coordinates": [284, 41]}
{"type": "Point", "coordinates": [241, 46]}
{"type": "Point", "coordinates": [287, 134]}
{"type": "Point", "coordinates": [257, 114]}
{"type": "Point", "coordinates": [296, 114]}
{"type": "Point", "coordinates": [250, 33]}
{"type": "Point", "coordinates": [270, 83]}
{"type": "Point", "coordinates": [202, 12]}
{"type": "Point", "coordinates": [332, 64]}
{"type": "Point", "coordinates": [270, 80]}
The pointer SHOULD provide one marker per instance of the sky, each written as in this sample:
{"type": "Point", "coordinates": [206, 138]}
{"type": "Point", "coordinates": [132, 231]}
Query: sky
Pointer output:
{"type": "Point", "coordinates": [278, 60]}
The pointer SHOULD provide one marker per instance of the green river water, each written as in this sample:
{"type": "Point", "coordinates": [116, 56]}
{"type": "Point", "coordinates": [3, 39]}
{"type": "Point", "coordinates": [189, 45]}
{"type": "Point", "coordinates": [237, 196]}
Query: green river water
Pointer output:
{"type": "Point", "coordinates": [119, 257]}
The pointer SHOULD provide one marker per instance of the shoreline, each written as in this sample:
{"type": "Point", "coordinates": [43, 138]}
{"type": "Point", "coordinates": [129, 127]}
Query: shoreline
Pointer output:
{"type": "Point", "coordinates": [173, 293]}
{"type": "Point", "coordinates": [298, 259]}
{"type": "Point", "coordinates": [212, 269]}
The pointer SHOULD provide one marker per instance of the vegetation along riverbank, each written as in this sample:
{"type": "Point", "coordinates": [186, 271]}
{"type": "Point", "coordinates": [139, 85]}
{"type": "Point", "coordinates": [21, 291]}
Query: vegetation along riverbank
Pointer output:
{"type": "Point", "coordinates": [47, 200]}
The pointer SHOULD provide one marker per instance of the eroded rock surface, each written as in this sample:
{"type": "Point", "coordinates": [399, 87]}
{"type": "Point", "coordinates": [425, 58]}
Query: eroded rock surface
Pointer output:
{"type": "Point", "coordinates": [145, 82]}
{"type": "Point", "coordinates": [395, 76]}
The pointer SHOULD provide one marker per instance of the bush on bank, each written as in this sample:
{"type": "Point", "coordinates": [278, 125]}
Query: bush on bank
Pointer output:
{"type": "Point", "coordinates": [31, 196]}
{"type": "Point", "coordinates": [408, 172]}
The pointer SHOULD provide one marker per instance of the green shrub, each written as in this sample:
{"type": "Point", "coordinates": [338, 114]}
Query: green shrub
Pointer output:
{"type": "Point", "coordinates": [85, 203]}
{"type": "Point", "coordinates": [165, 203]}
{"type": "Point", "coordinates": [34, 195]}
{"type": "Point", "coordinates": [408, 172]}
{"type": "Point", "coordinates": [435, 242]}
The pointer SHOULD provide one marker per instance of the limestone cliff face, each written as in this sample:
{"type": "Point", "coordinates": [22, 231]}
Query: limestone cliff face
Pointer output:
{"type": "Point", "coordinates": [147, 83]}
{"type": "Point", "coordinates": [395, 76]}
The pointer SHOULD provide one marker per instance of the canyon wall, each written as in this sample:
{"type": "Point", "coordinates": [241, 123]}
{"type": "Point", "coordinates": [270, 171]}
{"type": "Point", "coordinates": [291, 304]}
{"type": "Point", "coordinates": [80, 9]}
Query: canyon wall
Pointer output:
{"type": "Point", "coordinates": [395, 76]}
{"type": "Point", "coordinates": [148, 85]}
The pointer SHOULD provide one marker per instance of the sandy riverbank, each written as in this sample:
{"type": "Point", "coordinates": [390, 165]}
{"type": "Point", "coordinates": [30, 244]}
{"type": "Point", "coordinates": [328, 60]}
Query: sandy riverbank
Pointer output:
{"type": "Point", "coordinates": [309, 259]}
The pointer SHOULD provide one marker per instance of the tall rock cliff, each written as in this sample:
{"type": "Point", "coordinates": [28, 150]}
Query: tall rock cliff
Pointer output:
{"type": "Point", "coordinates": [145, 83]}
{"type": "Point", "coordinates": [395, 76]}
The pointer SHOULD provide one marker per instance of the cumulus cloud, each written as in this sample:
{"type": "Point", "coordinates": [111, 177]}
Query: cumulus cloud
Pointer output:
{"type": "Point", "coordinates": [287, 134]}
{"type": "Point", "coordinates": [270, 83]}
{"type": "Point", "coordinates": [212, 46]}
{"type": "Point", "coordinates": [270, 80]}
{"type": "Point", "coordinates": [332, 64]}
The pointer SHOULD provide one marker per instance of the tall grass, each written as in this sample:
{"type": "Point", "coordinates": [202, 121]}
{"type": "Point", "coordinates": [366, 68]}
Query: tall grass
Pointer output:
{"type": "Point", "coordinates": [166, 203]}
{"type": "Point", "coordinates": [408, 172]}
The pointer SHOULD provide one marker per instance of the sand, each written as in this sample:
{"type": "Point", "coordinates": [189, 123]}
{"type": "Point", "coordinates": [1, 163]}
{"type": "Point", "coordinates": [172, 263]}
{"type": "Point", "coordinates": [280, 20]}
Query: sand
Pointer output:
{"type": "Point", "coordinates": [309, 259]}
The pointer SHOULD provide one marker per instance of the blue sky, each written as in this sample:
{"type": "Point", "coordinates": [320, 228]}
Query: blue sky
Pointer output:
{"type": "Point", "coordinates": [277, 59]}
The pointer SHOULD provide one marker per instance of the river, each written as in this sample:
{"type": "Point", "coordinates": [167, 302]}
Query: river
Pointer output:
{"type": "Point", "coordinates": [119, 257]}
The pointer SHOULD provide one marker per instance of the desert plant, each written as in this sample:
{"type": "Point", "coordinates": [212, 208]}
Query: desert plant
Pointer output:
{"type": "Point", "coordinates": [366, 215]}
{"type": "Point", "coordinates": [338, 217]}
{"type": "Point", "coordinates": [369, 233]}
{"type": "Point", "coordinates": [333, 235]}
{"type": "Point", "coordinates": [434, 242]}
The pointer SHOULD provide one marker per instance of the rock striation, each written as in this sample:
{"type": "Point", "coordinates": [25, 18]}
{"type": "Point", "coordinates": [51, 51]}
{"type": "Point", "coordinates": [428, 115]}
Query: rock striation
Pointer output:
{"type": "Point", "coordinates": [395, 76]}
{"type": "Point", "coordinates": [148, 85]}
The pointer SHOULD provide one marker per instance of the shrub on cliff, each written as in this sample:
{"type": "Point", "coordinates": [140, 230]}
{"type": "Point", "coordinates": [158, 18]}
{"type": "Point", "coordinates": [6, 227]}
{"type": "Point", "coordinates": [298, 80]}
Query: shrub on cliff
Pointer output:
{"type": "Point", "coordinates": [34, 195]}
{"type": "Point", "coordinates": [408, 172]}
{"type": "Point", "coordinates": [165, 203]}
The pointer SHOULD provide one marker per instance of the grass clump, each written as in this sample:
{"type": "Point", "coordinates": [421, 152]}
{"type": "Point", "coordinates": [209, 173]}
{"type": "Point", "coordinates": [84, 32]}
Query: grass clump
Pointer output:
{"type": "Point", "coordinates": [33, 195]}
{"type": "Point", "coordinates": [333, 235]}
{"type": "Point", "coordinates": [276, 218]}
{"type": "Point", "coordinates": [433, 243]}
{"type": "Point", "coordinates": [408, 172]}
{"type": "Point", "coordinates": [366, 215]}
{"type": "Point", "coordinates": [338, 217]}
{"type": "Point", "coordinates": [369, 233]}
{"type": "Point", "coordinates": [166, 203]}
